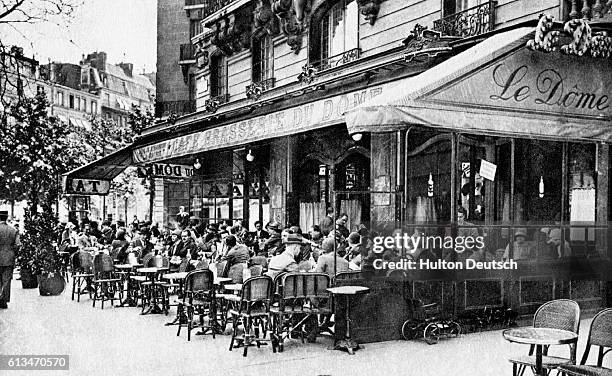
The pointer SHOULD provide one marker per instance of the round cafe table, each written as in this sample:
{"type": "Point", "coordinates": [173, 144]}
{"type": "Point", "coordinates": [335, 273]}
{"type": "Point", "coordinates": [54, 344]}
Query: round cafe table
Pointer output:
{"type": "Point", "coordinates": [152, 273]}
{"type": "Point", "coordinates": [540, 337]}
{"type": "Point", "coordinates": [130, 298]}
{"type": "Point", "coordinates": [348, 343]}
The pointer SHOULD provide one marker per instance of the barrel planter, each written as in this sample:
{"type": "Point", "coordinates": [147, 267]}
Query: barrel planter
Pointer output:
{"type": "Point", "coordinates": [28, 280]}
{"type": "Point", "coordinates": [51, 284]}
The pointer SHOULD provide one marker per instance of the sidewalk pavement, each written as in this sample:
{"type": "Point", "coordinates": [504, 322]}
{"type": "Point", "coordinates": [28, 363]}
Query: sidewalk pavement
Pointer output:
{"type": "Point", "coordinates": [119, 341]}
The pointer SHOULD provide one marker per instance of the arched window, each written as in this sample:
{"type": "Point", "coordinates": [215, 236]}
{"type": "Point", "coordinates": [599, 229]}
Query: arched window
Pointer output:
{"type": "Point", "coordinates": [337, 33]}
{"type": "Point", "coordinates": [263, 59]}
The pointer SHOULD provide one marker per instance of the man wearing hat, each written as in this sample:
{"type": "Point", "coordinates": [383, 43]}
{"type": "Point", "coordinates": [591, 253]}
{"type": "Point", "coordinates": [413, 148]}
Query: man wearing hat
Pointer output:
{"type": "Point", "coordinates": [285, 262]}
{"type": "Point", "coordinates": [274, 241]}
{"type": "Point", "coordinates": [562, 247]}
{"type": "Point", "coordinates": [522, 249]}
{"type": "Point", "coordinates": [325, 263]}
{"type": "Point", "coordinates": [9, 243]}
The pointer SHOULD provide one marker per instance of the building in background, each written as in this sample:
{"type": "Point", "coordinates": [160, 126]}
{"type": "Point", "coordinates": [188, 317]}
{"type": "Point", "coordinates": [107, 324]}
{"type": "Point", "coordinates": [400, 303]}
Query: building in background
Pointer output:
{"type": "Point", "coordinates": [177, 23]}
{"type": "Point", "coordinates": [77, 93]}
{"type": "Point", "coordinates": [117, 85]}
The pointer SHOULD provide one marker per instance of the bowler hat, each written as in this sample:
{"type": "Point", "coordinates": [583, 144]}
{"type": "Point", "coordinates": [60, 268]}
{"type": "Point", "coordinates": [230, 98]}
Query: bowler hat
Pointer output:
{"type": "Point", "coordinates": [293, 239]}
{"type": "Point", "coordinates": [520, 232]}
{"type": "Point", "coordinates": [274, 226]}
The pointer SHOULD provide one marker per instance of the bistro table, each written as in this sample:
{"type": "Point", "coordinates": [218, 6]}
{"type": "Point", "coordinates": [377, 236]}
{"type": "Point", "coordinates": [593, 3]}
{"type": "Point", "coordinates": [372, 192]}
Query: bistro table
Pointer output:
{"type": "Point", "coordinates": [129, 300]}
{"type": "Point", "coordinates": [540, 337]}
{"type": "Point", "coordinates": [152, 273]}
{"type": "Point", "coordinates": [348, 343]}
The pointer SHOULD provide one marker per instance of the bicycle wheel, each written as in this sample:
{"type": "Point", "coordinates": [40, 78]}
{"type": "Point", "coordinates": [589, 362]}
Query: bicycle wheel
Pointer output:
{"type": "Point", "coordinates": [454, 328]}
{"type": "Point", "coordinates": [409, 329]}
{"type": "Point", "coordinates": [431, 334]}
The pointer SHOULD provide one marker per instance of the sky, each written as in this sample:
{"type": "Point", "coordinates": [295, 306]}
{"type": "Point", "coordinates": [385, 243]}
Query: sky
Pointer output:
{"type": "Point", "coordinates": [124, 29]}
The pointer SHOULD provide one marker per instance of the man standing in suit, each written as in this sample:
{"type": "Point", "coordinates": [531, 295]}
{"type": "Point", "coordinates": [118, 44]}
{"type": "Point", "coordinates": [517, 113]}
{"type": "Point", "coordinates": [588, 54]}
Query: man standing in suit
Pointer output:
{"type": "Point", "coordinates": [9, 243]}
{"type": "Point", "coordinates": [327, 223]}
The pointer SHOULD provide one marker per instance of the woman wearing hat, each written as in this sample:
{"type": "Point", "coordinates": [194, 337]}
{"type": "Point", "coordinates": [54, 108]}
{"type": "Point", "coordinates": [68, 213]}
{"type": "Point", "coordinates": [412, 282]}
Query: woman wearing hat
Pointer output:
{"type": "Point", "coordinates": [522, 249]}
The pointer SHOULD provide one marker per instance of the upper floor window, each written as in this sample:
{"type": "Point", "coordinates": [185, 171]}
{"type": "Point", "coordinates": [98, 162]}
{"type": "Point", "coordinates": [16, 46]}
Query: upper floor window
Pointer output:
{"type": "Point", "coordinates": [71, 101]}
{"type": "Point", "coordinates": [218, 76]}
{"type": "Point", "coordinates": [456, 6]}
{"type": "Point", "coordinates": [94, 107]}
{"type": "Point", "coordinates": [339, 29]}
{"type": "Point", "coordinates": [263, 59]}
{"type": "Point", "coordinates": [60, 98]}
{"type": "Point", "coordinates": [195, 28]}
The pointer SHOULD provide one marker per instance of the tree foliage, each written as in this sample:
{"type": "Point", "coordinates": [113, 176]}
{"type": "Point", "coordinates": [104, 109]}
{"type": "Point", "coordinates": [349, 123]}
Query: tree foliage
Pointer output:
{"type": "Point", "coordinates": [36, 149]}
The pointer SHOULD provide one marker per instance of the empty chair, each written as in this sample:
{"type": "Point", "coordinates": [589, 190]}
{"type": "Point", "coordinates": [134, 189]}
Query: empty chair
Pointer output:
{"type": "Point", "coordinates": [600, 335]}
{"type": "Point", "coordinates": [82, 273]}
{"type": "Point", "coordinates": [198, 298]}
{"type": "Point", "coordinates": [302, 299]}
{"type": "Point", "coordinates": [252, 311]}
{"type": "Point", "coordinates": [557, 314]}
{"type": "Point", "coordinates": [106, 284]}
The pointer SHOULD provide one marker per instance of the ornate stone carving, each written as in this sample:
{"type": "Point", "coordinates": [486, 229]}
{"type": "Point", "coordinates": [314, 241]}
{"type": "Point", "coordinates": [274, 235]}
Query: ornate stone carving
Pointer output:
{"type": "Point", "coordinates": [545, 38]}
{"type": "Point", "coordinates": [212, 104]}
{"type": "Point", "coordinates": [309, 72]}
{"type": "Point", "coordinates": [292, 16]}
{"type": "Point", "coordinates": [369, 8]}
{"type": "Point", "coordinates": [256, 89]}
{"type": "Point", "coordinates": [231, 33]}
{"type": "Point", "coordinates": [582, 41]}
{"type": "Point", "coordinates": [423, 42]}
{"type": "Point", "coordinates": [264, 20]}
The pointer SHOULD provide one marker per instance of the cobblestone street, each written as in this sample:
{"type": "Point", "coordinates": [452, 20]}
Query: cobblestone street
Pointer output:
{"type": "Point", "coordinates": [118, 341]}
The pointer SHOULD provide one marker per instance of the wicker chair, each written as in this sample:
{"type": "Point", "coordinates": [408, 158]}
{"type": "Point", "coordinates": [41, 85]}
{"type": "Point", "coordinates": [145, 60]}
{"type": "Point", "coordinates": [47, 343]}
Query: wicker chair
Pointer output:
{"type": "Point", "coordinates": [235, 272]}
{"type": "Point", "coordinates": [557, 314]}
{"type": "Point", "coordinates": [600, 335]}
{"type": "Point", "coordinates": [253, 311]}
{"type": "Point", "coordinates": [198, 298]}
{"type": "Point", "coordinates": [105, 282]}
{"type": "Point", "coordinates": [303, 297]}
{"type": "Point", "coordinates": [82, 273]}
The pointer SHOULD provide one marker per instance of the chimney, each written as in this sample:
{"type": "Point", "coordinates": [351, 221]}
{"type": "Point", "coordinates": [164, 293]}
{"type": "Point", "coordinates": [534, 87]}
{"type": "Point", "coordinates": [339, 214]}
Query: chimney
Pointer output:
{"type": "Point", "coordinates": [127, 68]}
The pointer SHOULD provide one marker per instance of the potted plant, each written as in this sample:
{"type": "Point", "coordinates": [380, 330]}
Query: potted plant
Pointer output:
{"type": "Point", "coordinates": [40, 245]}
{"type": "Point", "coordinates": [26, 260]}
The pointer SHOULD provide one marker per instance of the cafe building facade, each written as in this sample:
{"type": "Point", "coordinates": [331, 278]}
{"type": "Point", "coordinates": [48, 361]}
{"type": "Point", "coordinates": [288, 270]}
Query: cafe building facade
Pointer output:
{"type": "Point", "coordinates": [397, 137]}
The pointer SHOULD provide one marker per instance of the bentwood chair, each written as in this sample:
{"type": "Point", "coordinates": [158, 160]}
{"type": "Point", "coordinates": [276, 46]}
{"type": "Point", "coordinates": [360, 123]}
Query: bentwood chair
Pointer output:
{"type": "Point", "coordinates": [198, 298]}
{"type": "Point", "coordinates": [82, 273]}
{"type": "Point", "coordinates": [253, 311]}
{"type": "Point", "coordinates": [557, 314]}
{"type": "Point", "coordinates": [303, 298]}
{"type": "Point", "coordinates": [106, 284]}
{"type": "Point", "coordinates": [600, 335]}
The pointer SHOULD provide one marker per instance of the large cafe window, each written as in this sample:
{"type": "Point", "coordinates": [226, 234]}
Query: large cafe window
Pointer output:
{"type": "Point", "coordinates": [540, 203]}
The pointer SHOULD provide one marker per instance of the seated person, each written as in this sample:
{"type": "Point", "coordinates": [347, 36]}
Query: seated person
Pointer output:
{"type": "Point", "coordinates": [237, 254]}
{"type": "Point", "coordinates": [285, 262]}
{"type": "Point", "coordinates": [561, 246]}
{"type": "Point", "coordinates": [522, 249]}
{"type": "Point", "coordinates": [330, 256]}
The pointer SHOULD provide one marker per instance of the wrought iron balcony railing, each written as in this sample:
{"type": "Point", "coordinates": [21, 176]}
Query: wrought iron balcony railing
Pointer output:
{"type": "Point", "coordinates": [468, 23]}
{"type": "Point", "coordinates": [208, 6]}
{"type": "Point", "coordinates": [599, 10]}
{"type": "Point", "coordinates": [256, 89]}
{"type": "Point", "coordinates": [174, 107]}
{"type": "Point", "coordinates": [187, 53]}
{"type": "Point", "coordinates": [337, 60]}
